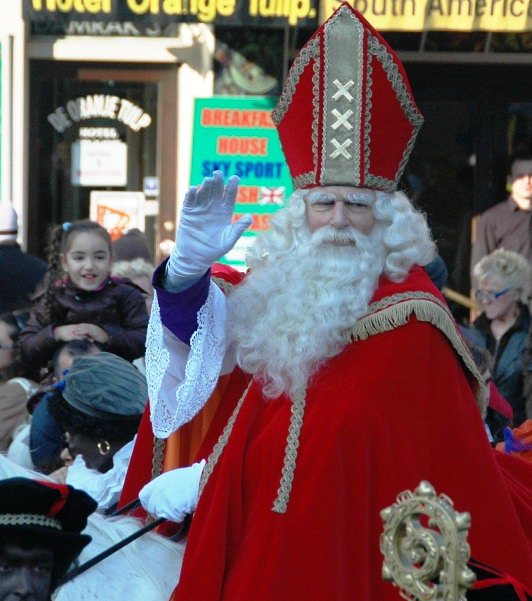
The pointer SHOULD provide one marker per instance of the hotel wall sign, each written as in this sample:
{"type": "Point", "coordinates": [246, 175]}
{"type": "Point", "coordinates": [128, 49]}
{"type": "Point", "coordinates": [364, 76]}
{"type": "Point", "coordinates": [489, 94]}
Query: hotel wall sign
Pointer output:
{"type": "Point", "coordinates": [94, 106]}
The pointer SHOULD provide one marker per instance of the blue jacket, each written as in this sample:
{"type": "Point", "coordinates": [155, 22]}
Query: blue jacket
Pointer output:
{"type": "Point", "coordinates": [509, 356]}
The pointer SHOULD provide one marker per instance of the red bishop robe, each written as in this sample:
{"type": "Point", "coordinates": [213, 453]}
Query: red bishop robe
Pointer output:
{"type": "Point", "coordinates": [395, 407]}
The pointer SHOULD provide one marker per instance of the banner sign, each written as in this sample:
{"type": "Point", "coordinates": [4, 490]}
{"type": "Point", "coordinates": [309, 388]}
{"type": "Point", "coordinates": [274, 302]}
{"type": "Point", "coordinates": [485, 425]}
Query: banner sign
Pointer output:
{"type": "Point", "coordinates": [440, 15]}
{"type": "Point", "coordinates": [236, 135]}
{"type": "Point", "coordinates": [126, 15]}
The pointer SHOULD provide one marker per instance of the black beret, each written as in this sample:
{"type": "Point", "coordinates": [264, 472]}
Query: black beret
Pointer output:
{"type": "Point", "coordinates": [55, 513]}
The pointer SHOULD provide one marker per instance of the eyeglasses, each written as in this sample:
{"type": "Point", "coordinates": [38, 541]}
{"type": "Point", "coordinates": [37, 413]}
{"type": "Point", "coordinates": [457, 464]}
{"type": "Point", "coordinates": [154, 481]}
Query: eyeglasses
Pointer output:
{"type": "Point", "coordinates": [21, 320]}
{"type": "Point", "coordinates": [490, 295]}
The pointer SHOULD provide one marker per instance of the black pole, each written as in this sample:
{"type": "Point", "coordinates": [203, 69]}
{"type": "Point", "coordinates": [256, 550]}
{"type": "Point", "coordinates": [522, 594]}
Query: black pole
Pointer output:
{"type": "Point", "coordinates": [132, 505]}
{"type": "Point", "coordinates": [97, 558]}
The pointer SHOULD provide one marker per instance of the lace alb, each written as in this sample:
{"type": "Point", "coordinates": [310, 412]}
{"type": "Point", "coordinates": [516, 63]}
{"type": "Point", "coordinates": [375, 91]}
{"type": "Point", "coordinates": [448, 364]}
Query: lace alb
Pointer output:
{"type": "Point", "coordinates": [176, 401]}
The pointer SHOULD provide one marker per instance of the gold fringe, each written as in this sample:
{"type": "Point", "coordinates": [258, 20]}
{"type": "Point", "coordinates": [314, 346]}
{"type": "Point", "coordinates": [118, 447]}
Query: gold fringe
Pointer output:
{"type": "Point", "coordinates": [395, 311]}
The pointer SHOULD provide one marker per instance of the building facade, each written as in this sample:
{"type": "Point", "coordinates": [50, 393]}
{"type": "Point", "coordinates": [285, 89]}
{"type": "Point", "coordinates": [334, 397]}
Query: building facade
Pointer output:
{"type": "Point", "coordinates": [98, 102]}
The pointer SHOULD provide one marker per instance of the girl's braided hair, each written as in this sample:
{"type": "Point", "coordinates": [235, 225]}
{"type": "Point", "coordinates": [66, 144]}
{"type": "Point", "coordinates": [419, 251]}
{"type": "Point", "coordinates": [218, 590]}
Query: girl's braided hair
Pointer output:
{"type": "Point", "coordinates": [59, 243]}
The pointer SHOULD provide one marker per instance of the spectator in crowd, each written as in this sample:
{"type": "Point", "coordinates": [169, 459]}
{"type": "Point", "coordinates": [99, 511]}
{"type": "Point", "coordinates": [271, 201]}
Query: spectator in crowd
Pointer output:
{"type": "Point", "coordinates": [527, 370]}
{"type": "Point", "coordinates": [132, 245]}
{"type": "Point", "coordinates": [41, 528]}
{"type": "Point", "coordinates": [437, 272]}
{"type": "Point", "coordinates": [509, 224]}
{"type": "Point", "coordinates": [499, 413]}
{"type": "Point", "coordinates": [99, 405]}
{"type": "Point", "coordinates": [46, 436]}
{"type": "Point", "coordinates": [501, 281]}
{"type": "Point", "coordinates": [87, 303]}
{"type": "Point", "coordinates": [518, 441]}
{"type": "Point", "coordinates": [18, 380]}
{"type": "Point", "coordinates": [140, 272]}
{"type": "Point", "coordinates": [20, 272]}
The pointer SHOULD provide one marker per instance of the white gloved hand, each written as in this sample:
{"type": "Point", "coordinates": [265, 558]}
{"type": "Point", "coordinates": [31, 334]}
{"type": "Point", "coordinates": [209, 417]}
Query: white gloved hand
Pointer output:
{"type": "Point", "coordinates": [205, 231]}
{"type": "Point", "coordinates": [174, 494]}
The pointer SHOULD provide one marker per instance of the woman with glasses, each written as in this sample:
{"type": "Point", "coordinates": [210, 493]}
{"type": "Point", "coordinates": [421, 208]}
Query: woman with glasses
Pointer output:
{"type": "Point", "coordinates": [501, 280]}
{"type": "Point", "coordinates": [17, 379]}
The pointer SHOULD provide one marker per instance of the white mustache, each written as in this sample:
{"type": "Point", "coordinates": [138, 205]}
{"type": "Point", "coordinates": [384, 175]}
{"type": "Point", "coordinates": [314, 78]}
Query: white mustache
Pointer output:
{"type": "Point", "coordinates": [329, 234]}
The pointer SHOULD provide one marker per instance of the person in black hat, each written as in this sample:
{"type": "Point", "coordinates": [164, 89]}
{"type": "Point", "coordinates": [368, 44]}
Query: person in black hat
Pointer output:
{"type": "Point", "coordinates": [40, 535]}
{"type": "Point", "coordinates": [21, 274]}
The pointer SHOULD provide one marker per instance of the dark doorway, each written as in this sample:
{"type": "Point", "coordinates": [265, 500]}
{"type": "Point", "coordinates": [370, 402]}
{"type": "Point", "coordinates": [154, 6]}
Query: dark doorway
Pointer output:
{"type": "Point", "coordinates": [95, 128]}
{"type": "Point", "coordinates": [475, 114]}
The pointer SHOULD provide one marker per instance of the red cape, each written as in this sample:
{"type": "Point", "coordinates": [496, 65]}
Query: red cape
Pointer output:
{"type": "Point", "coordinates": [387, 412]}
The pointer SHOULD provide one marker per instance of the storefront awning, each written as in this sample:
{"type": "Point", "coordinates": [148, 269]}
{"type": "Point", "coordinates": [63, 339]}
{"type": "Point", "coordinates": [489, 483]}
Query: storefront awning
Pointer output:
{"type": "Point", "coordinates": [441, 15]}
{"type": "Point", "coordinates": [137, 14]}
{"type": "Point", "coordinates": [136, 17]}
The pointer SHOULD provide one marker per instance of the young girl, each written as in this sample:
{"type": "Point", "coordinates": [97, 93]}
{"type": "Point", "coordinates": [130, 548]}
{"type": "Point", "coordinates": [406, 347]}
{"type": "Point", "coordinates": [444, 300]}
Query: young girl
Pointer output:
{"type": "Point", "coordinates": [87, 302]}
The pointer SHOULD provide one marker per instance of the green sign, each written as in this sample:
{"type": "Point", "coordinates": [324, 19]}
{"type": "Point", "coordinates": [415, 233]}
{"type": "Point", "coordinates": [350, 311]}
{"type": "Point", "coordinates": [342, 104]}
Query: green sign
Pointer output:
{"type": "Point", "coordinates": [1, 125]}
{"type": "Point", "coordinates": [236, 135]}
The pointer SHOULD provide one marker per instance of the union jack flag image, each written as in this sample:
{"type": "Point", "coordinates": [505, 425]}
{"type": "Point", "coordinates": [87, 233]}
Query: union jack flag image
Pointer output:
{"type": "Point", "coordinates": [269, 196]}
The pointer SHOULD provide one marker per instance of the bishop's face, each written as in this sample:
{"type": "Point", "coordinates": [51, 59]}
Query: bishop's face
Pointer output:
{"type": "Point", "coordinates": [340, 207]}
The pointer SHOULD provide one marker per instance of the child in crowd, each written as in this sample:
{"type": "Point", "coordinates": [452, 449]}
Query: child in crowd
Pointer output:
{"type": "Point", "coordinates": [86, 303]}
{"type": "Point", "coordinates": [46, 437]}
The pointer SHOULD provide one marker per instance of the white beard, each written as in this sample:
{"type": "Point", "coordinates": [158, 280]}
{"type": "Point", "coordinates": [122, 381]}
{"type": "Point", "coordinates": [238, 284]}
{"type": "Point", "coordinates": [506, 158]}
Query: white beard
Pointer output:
{"type": "Point", "coordinates": [291, 313]}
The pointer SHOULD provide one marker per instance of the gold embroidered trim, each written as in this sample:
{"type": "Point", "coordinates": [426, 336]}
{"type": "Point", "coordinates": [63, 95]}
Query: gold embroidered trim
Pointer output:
{"type": "Point", "coordinates": [225, 286]}
{"type": "Point", "coordinates": [29, 519]}
{"type": "Point", "coordinates": [289, 464]}
{"type": "Point", "coordinates": [157, 457]}
{"type": "Point", "coordinates": [309, 52]}
{"type": "Point", "coordinates": [342, 100]}
{"type": "Point", "coordinates": [315, 111]}
{"type": "Point", "coordinates": [391, 69]}
{"type": "Point", "coordinates": [367, 119]}
{"type": "Point", "coordinates": [304, 179]}
{"type": "Point", "coordinates": [378, 182]}
{"type": "Point", "coordinates": [222, 441]}
{"type": "Point", "coordinates": [394, 311]}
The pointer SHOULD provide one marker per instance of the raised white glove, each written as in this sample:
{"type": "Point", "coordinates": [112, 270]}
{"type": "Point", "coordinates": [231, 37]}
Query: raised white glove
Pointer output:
{"type": "Point", "coordinates": [174, 494]}
{"type": "Point", "coordinates": [205, 231]}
